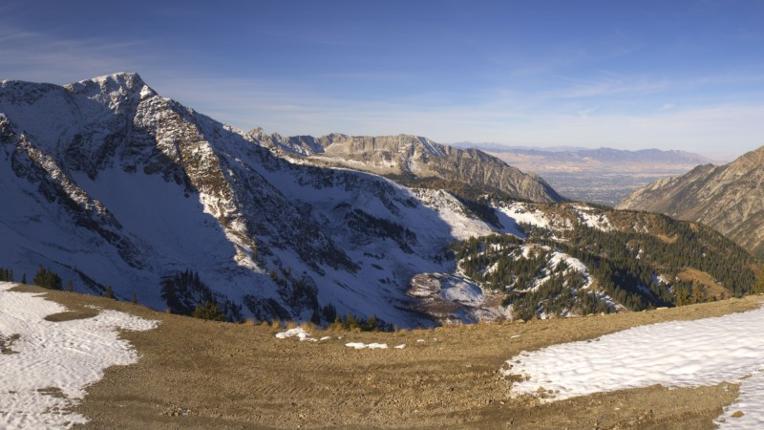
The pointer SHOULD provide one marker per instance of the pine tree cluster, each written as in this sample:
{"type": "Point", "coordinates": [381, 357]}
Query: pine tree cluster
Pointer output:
{"type": "Point", "coordinates": [47, 279]}
{"type": "Point", "coordinates": [185, 294]}
{"type": "Point", "coordinates": [625, 266]}
{"type": "Point", "coordinates": [6, 275]}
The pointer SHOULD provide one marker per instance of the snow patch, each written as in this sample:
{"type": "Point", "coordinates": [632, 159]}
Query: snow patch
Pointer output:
{"type": "Point", "coordinates": [361, 345]}
{"type": "Point", "coordinates": [459, 290]}
{"type": "Point", "coordinates": [463, 226]}
{"type": "Point", "coordinates": [673, 354]}
{"type": "Point", "coordinates": [750, 402]}
{"type": "Point", "coordinates": [52, 362]}
{"type": "Point", "coordinates": [592, 219]}
{"type": "Point", "coordinates": [572, 265]}
{"type": "Point", "coordinates": [298, 332]}
{"type": "Point", "coordinates": [520, 213]}
{"type": "Point", "coordinates": [528, 250]}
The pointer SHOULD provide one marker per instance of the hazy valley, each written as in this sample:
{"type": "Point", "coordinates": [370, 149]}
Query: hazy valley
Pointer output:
{"type": "Point", "coordinates": [605, 176]}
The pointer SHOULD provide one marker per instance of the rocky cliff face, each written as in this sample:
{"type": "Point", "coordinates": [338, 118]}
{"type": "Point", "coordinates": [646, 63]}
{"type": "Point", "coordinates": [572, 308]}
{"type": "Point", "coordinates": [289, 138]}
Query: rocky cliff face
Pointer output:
{"type": "Point", "coordinates": [729, 198]}
{"type": "Point", "coordinates": [412, 157]}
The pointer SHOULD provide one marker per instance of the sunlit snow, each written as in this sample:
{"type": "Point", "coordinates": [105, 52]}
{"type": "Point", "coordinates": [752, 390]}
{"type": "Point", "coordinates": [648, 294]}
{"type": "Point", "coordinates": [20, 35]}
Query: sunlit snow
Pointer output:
{"type": "Point", "coordinates": [297, 332]}
{"type": "Point", "coordinates": [361, 345]}
{"type": "Point", "coordinates": [47, 366]}
{"type": "Point", "coordinates": [673, 354]}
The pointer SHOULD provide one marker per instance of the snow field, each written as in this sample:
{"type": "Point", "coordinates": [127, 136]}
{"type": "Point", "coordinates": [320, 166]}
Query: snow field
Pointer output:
{"type": "Point", "coordinates": [460, 290]}
{"type": "Point", "coordinates": [750, 402]}
{"type": "Point", "coordinates": [673, 354]}
{"type": "Point", "coordinates": [522, 214]}
{"type": "Point", "coordinates": [51, 363]}
{"type": "Point", "coordinates": [591, 219]}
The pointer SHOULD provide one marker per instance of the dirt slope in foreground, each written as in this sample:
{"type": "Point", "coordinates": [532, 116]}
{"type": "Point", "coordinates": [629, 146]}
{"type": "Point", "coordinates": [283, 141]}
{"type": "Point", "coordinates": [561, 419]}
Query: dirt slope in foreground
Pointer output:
{"type": "Point", "coordinates": [198, 374]}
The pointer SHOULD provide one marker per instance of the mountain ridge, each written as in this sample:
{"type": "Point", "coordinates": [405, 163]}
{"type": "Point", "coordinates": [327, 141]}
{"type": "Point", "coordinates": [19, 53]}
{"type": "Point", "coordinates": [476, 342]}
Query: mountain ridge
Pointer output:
{"type": "Point", "coordinates": [125, 192]}
{"type": "Point", "coordinates": [413, 156]}
{"type": "Point", "coordinates": [726, 197]}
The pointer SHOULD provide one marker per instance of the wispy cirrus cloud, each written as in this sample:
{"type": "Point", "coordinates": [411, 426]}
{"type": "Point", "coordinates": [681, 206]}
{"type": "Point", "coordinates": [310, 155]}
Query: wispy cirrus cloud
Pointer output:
{"type": "Point", "coordinates": [35, 56]}
{"type": "Point", "coordinates": [610, 87]}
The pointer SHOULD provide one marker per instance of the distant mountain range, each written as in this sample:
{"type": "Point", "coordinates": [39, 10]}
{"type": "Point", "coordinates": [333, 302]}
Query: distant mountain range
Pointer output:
{"type": "Point", "coordinates": [574, 159]}
{"type": "Point", "coordinates": [729, 198]}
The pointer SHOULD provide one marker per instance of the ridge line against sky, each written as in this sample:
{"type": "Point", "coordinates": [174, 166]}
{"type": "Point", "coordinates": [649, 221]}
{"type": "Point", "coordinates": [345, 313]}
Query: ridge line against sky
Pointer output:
{"type": "Point", "coordinates": [683, 75]}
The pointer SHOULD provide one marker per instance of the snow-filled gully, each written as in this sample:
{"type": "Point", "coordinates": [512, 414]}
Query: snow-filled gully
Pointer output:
{"type": "Point", "coordinates": [46, 367]}
{"type": "Point", "coordinates": [673, 354]}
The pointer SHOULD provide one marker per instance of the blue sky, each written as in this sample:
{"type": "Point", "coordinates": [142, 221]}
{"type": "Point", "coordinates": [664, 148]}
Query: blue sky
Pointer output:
{"type": "Point", "coordinates": [627, 74]}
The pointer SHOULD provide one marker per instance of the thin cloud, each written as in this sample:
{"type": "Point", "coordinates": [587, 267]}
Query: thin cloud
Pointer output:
{"type": "Point", "coordinates": [39, 57]}
{"type": "Point", "coordinates": [500, 119]}
{"type": "Point", "coordinates": [580, 113]}
{"type": "Point", "coordinates": [612, 87]}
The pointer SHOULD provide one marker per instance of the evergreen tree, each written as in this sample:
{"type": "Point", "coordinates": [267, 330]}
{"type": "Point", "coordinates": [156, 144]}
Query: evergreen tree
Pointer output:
{"type": "Point", "coordinates": [208, 310]}
{"type": "Point", "coordinates": [47, 279]}
{"type": "Point", "coordinates": [371, 324]}
{"type": "Point", "coordinates": [329, 312]}
{"type": "Point", "coordinates": [183, 291]}
{"type": "Point", "coordinates": [6, 275]}
{"type": "Point", "coordinates": [350, 322]}
{"type": "Point", "coordinates": [759, 288]}
{"type": "Point", "coordinates": [315, 317]}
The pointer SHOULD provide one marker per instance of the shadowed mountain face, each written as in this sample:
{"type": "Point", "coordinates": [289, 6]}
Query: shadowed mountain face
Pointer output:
{"type": "Point", "coordinates": [118, 189]}
{"type": "Point", "coordinates": [412, 157]}
{"type": "Point", "coordinates": [729, 198]}
{"type": "Point", "coordinates": [111, 185]}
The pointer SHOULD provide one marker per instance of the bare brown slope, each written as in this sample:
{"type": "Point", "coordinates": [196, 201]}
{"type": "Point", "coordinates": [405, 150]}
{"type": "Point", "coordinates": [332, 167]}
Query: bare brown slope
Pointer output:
{"type": "Point", "coordinates": [729, 198]}
{"type": "Point", "coordinates": [197, 374]}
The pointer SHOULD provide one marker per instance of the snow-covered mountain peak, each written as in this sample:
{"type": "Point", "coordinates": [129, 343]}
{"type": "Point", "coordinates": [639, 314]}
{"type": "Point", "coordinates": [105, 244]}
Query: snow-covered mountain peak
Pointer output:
{"type": "Point", "coordinates": [114, 88]}
{"type": "Point", "coordinates": [128, 80]}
